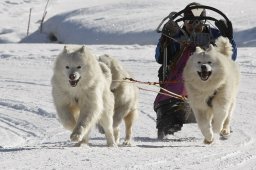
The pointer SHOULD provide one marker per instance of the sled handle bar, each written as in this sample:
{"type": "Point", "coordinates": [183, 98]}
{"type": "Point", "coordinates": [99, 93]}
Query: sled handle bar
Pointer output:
{"type": "Point", "coordinates": [200, 6]}
{"type": "Point", "coordinates": [174, 15]}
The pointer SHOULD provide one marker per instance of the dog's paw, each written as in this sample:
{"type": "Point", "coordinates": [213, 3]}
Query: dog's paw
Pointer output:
{"type": "Point", "coordinates": [224, 133]}
{"type": "Point", "coordinates": [83, 143]}
{"type": "Point", "coordinates": [76, 137]}
{"type": "Point", "coordinates": [113, 145]}
{"type": "Point", "coordinates": [77, 134]}
{"type": "Point", "coordinates": [117, 141]}
{"type": "Point", "coordinates": [208, 141]}
{"type": "Point", "coordinates": [127, 143]}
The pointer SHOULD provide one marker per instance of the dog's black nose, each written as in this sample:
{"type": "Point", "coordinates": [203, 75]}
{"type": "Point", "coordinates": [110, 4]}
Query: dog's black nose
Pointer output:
{"type": "Point", "coordinates": [72, 76]}
{"type": "Point", "coordinates": [203, 67]}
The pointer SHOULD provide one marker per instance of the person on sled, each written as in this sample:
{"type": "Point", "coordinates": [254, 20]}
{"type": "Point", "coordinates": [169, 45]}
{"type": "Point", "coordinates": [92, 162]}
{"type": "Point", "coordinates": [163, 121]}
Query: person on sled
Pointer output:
{"type": "Point", "coordinates": [173, 112]}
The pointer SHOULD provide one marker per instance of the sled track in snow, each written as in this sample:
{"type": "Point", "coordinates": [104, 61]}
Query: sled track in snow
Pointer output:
{"type": "Point", "coordinates": [17, 132]}
{"type": "Point", "coordinates": [18, 106]}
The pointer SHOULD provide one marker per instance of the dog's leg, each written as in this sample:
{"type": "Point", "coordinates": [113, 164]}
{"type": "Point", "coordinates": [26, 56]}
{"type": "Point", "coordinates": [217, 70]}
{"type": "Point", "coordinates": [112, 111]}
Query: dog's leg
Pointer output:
{"type": "Point", "coordinates": [220, 114]}
{"type": "Point", "coordinates": [86, 120]}
{"type": "Point", "coordinates": [66, 115]}
{"type": "Point", "coordinates": [116, 134]}
{"type": "Point", "coordinates": [84, 140]}
{"type": "Point", "coordinates": [204, 120]}
{"type": "Point", "coordinates": [107, 123]}
{"type": "Point", "coordinates": [117, 119]}
{"type": "Point", "coordinates": [225, 131]}
{"type": "Point", "coordinates": [129, 120]}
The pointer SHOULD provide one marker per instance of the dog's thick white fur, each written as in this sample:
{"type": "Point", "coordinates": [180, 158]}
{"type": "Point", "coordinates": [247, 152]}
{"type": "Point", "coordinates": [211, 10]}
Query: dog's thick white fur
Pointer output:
{"type": "Point", "coordinates": [81, 94]}
{"type": "Point", "coordinates": [211, 79]}
{"type": "Point", "coordinates": [126, 98]}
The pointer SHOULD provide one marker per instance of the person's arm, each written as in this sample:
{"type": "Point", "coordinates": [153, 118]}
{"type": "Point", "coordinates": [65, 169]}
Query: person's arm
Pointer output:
{"type": "Point", "coordinates": [158, 55]}
{"type": "Point", "coordinates": [172, 48]}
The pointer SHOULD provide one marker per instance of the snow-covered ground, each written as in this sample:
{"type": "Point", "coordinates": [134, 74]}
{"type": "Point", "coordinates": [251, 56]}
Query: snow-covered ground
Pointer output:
{"type": "Point", "coordinates": [31, 136]}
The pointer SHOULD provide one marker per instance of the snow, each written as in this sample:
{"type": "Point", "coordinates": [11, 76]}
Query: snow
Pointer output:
{"type": "Point", "coordinates": [31, 136]}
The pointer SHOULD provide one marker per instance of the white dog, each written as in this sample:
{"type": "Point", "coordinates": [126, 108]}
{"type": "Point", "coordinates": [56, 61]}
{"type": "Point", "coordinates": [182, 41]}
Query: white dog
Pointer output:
{"type": "Point", "coordinates": [82, 95]}
{"type": "Point", "coordinates": [211, 80]}
{"type": "Point", "coordinates": [126, 98]}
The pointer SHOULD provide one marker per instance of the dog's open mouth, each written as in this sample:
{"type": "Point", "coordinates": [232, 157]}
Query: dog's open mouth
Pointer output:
{"type": "Point", "coordinates": [73, 83]}
{"type": "Point", "coordinates": [204, 75]}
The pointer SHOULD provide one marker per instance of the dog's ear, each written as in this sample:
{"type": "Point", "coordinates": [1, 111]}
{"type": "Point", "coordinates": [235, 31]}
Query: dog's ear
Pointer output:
{"type": "Point", "coordinates": [82, 49]}
{"type": "Point", "coordinates": [199, 49]}
{"type": "Point", "coordinates": [102, 58]}
{"type": "Point", "coordinates": [211, 47]}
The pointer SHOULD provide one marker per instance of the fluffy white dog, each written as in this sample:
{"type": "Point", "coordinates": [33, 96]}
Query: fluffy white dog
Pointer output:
{"type": "Point", "coordinates": [211, 80]}
{"type": "Point", "coordinates": [81, 94]}
{"type": "Point", "coordinates": [126, 98]}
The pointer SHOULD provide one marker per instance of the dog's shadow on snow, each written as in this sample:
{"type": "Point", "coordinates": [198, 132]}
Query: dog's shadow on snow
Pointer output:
{"type": "Point", "coordinates": [174, 142]}
{"type": "Point", "coordinates": [148, 142]}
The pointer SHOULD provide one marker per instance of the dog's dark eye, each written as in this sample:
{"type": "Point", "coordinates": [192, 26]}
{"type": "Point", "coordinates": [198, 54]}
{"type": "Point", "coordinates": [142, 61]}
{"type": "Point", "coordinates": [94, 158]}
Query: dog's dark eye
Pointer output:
{"type": "Point", "coordinates": [199, 62]}
{"type": "Point", "coordinates": [67, 67]}
{"type": "Point", "coordinates": [209, 62]}
{"type": "Point", "coordinates": [78, 67]}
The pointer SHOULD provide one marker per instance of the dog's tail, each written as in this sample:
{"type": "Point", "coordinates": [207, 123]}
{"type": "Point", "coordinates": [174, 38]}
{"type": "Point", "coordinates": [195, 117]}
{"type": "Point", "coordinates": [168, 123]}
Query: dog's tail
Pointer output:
{"type": "Point", "coordinates": [224, 46]}
{"type": "Point", "coordinates": [106, 71]}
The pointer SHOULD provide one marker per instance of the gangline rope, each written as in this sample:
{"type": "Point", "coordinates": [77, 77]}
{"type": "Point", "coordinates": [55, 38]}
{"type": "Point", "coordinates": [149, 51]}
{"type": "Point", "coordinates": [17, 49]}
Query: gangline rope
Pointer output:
{"type": "Point", "coordinates": [157, 84]}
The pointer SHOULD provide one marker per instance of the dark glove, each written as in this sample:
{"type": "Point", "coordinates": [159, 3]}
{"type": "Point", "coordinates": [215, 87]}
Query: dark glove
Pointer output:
{"type": "Point", "coordinates": [170, 28]}
{"type": "Point", "coordinates": [226, 28]}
